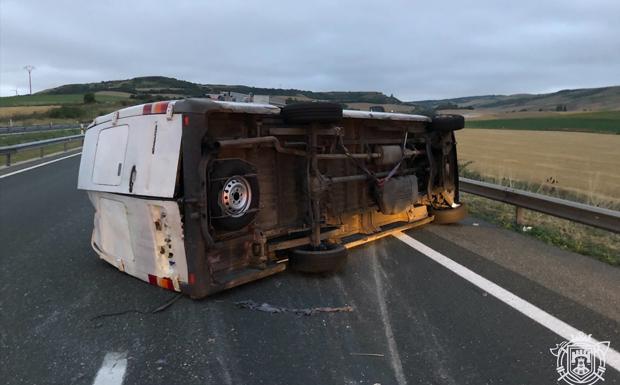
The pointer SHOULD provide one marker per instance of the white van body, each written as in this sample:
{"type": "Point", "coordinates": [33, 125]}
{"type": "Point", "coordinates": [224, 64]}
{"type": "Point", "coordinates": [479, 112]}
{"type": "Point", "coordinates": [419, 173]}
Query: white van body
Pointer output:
{"type": "Point", "coordinates": [128, 152]}
{"type": "Point", "coordinates": [199, 196]}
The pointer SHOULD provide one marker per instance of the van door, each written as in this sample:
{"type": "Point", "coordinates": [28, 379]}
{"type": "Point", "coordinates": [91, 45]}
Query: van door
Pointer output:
{"type": "Point", "coordinates": [139, 156]}
{"type": "Point", "coordinates": [110, 155]}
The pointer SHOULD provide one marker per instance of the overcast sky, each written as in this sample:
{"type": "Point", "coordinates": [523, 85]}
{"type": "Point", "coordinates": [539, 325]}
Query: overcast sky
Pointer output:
{"type": "Point", "coordinates": [413, 49]}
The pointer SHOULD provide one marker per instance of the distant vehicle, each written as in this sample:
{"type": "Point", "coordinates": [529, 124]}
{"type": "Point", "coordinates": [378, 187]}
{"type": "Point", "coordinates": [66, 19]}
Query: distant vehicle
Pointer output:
{"type": "Point", "coordinates": [376, 109]}
{"type": "Point", "coordinates": [199, 196]}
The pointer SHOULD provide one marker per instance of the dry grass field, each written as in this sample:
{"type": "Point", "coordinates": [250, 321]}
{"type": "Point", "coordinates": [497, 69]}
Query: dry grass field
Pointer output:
{"type": "Point", "coordinates": [584, 164]}
{"type": "Point", "coordinates": [9, 112]}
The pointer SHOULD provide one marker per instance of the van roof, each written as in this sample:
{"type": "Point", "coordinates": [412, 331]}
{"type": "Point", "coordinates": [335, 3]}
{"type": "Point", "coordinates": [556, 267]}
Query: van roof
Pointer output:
{"type": "Point", "coordinates": [200, 105]}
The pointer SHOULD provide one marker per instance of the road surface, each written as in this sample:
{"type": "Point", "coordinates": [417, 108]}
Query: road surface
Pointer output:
{"type": "Point", "coordinates": [413, 321]}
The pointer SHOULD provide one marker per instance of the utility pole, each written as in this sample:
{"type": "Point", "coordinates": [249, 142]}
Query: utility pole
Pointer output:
{"type": "Point", "coordinates": [29, 68]}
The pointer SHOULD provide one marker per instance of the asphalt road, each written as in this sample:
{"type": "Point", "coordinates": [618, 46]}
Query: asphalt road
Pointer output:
{"type": "Point", "coordinates": [413, 322]}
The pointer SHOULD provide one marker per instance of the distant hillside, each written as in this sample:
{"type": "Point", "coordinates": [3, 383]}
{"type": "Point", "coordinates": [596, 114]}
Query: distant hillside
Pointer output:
{"type": "Point", "coordinates": [604, 98]}
{"type": "Point", "coordinates": [147, 84]}
{"type": "Point", "coordinates": [160, 85]}
{"type": "Point", "coordinates": [144, 88]}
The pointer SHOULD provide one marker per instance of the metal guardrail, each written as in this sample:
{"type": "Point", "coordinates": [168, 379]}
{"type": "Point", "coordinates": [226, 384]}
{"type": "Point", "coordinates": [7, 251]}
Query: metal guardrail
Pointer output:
{"type": "Point", "coordinates": [39, 127]}
{"type": "Point", "coordinates": [577, 212]}
{"type": "Point", "coordinates": [8, 151]}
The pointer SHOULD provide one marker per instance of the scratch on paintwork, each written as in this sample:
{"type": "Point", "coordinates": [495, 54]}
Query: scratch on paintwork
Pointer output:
{"type": "Point", "coordinates": [395, 361]}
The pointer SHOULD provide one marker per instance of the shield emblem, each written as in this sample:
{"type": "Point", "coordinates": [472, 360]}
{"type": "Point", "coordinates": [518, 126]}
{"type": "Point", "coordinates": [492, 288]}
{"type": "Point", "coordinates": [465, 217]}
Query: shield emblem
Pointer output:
{"type": "Point", "coordinates": [580, 361]}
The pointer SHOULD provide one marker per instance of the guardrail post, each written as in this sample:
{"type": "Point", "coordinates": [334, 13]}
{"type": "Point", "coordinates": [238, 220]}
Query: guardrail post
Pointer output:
{"type": "Point", "coordinates": [64, 146]}
{"type": "Point", "coordinates": [519, 216]}
{"type": "Point", "coordinates": [8, 159]}
{"type": "Point", "coordinates": [42, 151]}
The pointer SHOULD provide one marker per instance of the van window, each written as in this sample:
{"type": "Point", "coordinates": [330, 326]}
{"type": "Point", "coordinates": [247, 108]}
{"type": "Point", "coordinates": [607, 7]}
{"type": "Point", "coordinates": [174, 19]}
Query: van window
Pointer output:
{"type": "Point", "coordinates": [110, 155]}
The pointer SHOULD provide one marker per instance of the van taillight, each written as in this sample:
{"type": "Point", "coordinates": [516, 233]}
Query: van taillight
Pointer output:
{"type": "Point", "coordinates": [155, 108]}
{"type": "Point", "coordinates": [166, 283]}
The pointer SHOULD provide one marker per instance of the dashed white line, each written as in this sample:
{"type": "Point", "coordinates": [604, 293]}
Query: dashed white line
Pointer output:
{"type": "Point", "coordinates": [39, 165]}
{"type": "Point", "coordinates": [112, 369]}
{"type": "Point", "coordinates": [552, 323]}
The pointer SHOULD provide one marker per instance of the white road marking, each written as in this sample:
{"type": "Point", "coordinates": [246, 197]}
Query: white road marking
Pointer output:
{"type": "Point", "coordinates": [112, 369]}
{"type": "Point", "coordinates": [39, 165]}
{"type": "Point", "coordinates": [552, 323]}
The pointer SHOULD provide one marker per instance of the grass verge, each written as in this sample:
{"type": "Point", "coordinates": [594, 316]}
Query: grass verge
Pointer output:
{"type": "Point", "coordinates": [586, 240]}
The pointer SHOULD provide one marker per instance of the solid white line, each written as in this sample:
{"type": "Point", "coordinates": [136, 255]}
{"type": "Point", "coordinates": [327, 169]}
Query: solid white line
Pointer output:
{"type": "Point", "coordinates": [552, 323]}
{"type": "Point", "coordinates": [112, 369]}
{"type": "Point", "coordinates": [39, 165]}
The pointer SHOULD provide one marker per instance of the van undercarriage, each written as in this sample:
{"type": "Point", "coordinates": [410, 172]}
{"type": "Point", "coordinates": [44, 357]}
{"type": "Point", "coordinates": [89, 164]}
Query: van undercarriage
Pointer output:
{"type": "Point", "coordinates": [260, 192]}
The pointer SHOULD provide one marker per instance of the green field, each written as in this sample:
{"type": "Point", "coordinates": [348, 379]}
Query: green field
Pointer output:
{"type": "Point", "coordinates": [602, 122]}
{"type": "Point", "coordinates": [47, 99]}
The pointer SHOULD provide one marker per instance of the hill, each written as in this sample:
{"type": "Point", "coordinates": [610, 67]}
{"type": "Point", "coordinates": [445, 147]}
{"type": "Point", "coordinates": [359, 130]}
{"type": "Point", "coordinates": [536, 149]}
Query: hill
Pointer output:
{"type": "Point", "coordinates": [170, 87]}
{"type": "Point", "coordinates": [590, 99]}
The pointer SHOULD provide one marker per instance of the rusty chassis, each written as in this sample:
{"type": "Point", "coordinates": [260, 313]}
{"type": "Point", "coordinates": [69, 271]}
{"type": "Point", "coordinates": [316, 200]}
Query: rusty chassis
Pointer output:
{"type": "Point", "coordinates": [319, 183]}
{"type": "Point", "coordinates": [219, 260]}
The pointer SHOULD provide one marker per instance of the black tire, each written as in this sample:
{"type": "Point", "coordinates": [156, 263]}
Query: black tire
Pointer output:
{"type": "Point", "coordinates": [221, 170]}
{"type": "Point", "coordinates": [446, 123]}
{"type": "Point", "coordinates": [319, 112]}
{"type": "Point", "coordinates": [328, 258]}
{"type": "Point", "coordinates": [448, 216]}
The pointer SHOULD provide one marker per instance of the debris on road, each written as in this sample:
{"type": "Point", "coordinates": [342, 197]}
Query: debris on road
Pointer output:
{"type": "Point", "coordinates": [267, 308]}
{"type": "Point", "coordinates": [166, 304]}
{"type": "Point", "coordinates": [158, 309]}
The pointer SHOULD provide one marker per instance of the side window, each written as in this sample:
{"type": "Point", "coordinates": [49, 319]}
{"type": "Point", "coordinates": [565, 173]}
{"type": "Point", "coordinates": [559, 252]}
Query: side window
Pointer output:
{"type": "Point", "coordinates": [110, 155]}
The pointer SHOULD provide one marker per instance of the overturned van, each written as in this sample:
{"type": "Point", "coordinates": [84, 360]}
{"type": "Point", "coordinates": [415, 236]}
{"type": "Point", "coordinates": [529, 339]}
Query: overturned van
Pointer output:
{"type": "Point", "coordinates": [198, 196]}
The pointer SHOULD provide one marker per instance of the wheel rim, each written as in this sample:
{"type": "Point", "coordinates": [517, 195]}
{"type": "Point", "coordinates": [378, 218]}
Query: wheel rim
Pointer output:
{"type": "Point", "coordinates": [236, 197]}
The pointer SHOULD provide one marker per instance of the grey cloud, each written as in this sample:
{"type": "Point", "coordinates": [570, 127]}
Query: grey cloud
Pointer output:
{"type": "Point", "coordinates": [412, 49]}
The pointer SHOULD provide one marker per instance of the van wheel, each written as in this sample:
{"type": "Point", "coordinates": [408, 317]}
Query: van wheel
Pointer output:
{"type": "Point", "coordinates": [329, 257]}
{"type": "Point", "coordinates": [449, 215]}
{"type": "Point", "coordinates": [446, 123]}
{"type": "Point", "coordinates": [233, 194]}
{"type": "Point", "coordinates": [309, 112]}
